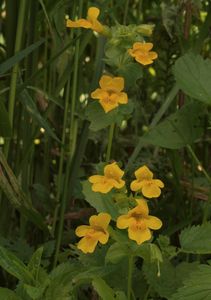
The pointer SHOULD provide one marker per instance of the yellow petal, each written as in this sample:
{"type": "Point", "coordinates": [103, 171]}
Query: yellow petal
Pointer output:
{"type": "Point", "coordinates": [120, 97]}
{"type": "Point", "coordinates": [118, 184]}
{"type": "Point", "coordinates": [101, 220]}
{"type": "Point", "coordinates": [139, 235]}
{"type": "Point", "coordinates": [142, 207]}
{"type": "Point", "coordinates": [99, 94]}
{"type": "Point", "coordinates": [97, 26]}
{"type": "Point", "coordinates": [102, 187]}
{"type": "Point", "coordinates": [159, 183]}
{"type": "Point", "coordinates": [143, 173]}
{"type": "Point", "coordinates": [145, 47]}
{"type": "Point", "coordinates": [153, 55]}
{"type": "Point", "coordinates": [82, 230]}
{"type": "Point", "coordinates": [114, 84]}
{"type": "Point", "coordinates": [135, 185]}
{"type": "Point", "coordinates": [144, 60]}
{"type": "Point", "coordinates": [151, 190]}
{"type": "Point", "coordinates": [113, 171]}
{"type": "Point", "coordinates": [153, 222]}
{"type": "Point", "coordinates": [103, 238]}
{"type": "Point", "coordinates": [87, 244]}
{"type": "Point", "coordinates": [108, 105]}
{"type": "Point", "coordinates": [124, 221]}
{"type": "Point", "coordinates": [93, 13]}
{"type": "Point", "coordinates": [79, 23]}
{"type": "Point", "coordinates": [96, 178]}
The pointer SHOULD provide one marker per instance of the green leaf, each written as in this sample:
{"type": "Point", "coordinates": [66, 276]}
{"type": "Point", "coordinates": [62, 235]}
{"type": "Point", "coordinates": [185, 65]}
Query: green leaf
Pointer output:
{"type": "Point", "coordinates": [169, 278]}
{"type": "Point", "coordinates": [149, 252]}
{"type": "Point", "coordinates": [103, 290]}
{"type": "Point", "coordinates": [101, 202]}
{"type": "Point", "coordinates": [192, 74]}
{"type": "Point", "coordinates": [14, 266]}
{"type": "Point", "coordinates": [131, 71]}
{"type": "Point", "coordinates": [99, 119]}
{"type": "Point", "coordinates": [35, 262]}
{"type": "Point", "coordinates": [9, 63]}
{"type": "Point", "coordinates": [179, 129]}
{"type": "Point", "coordinates": [116, 253]}
{"type": "Point", "coordinates": [197, 286]}
{"type": "Point", "coordinates": [6, 294]}
{"type": "Point", "coordinates": [196, 239]}
{"type": "Point", "coordinates": [5, 127]}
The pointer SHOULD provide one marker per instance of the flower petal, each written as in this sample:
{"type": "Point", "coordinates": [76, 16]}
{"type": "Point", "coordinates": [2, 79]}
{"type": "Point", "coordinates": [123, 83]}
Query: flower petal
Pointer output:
{"type": "Point", "coordinates": [142, 208]}
{"type": "Point", "coordinates": [103, 238]}
{"type": "Point", "coordinates": [114, 84]}
{"type": "Point", "coordinates": [159, 183]}
{"type": "Point", "coordinates": [118, 184]}
{"type": "Point", "coordinates": [113, 171]}
{"type": "Point", "coordinates": [139, 235]}
{"type": "Point", "coordinates": [79, 23]}
{"type": "Point", "coordinates": [96, 178]}
{"type": "Point", "coordinates": [87, 244]}
{"type": "Point", "coordinates": [124, 221]}
{"type": "Point", "coordinates": [93, 13]}
{"type": "Point", "coordinates": [102, 187]}
{"type": "Point", "coordinates": [82, 230]}
{"type": "Point", "coordinates": [108, 105]}
{"type": "Point", "coordinates": [143, 173]}
{"type": "Point", "coordinates": [153, 222]}
{"type": "Point", "coordinates": [101, 220]}
{"type": "Point", "coordinates": [153, 55]}
{"type": "Point", "coordinates": [144, 47]}
{"type": "Point", "coordinates": [120, 98]}
{"type": "Point", "coordinates": [144, 60]}
{"type": "Point", "coordinates": [99, 94]}
{"type": "Point", "coordinates": [135, 185]}
{"type": "Point", "coordinates": [151, 190]}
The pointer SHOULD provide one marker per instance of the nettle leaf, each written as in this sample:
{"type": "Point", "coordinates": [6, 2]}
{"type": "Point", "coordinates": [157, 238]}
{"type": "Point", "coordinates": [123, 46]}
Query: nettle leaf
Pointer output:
{"type": "Point", "coordinates": [179, 129]}
{"type": "Point", "coordinates": [101, 202]}
{"type": "Point", "coordinates": [196, 239]}
{"type": "Point", "coordinates": [99, 119]}
{"type": "Point", "coordinates": [166, 282]}
{"type": "Point", "coordinates": [192, 74]}
{"type": "Point", "coordinates": [197, 286]}
{"type": "Point", "coordinates": [8, 294]}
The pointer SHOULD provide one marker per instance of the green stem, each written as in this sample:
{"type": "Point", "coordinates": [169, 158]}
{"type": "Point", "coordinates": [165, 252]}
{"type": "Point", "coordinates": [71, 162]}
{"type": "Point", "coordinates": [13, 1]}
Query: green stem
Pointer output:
{"type": "Point", "coordinates": [14, 76]}
{"type": "Point", "coordinates": [125, 12]}
{"type": "Point", "coordinates": [130, 272]}
{"type": "Point", "coordinates": [72, 146]}
{"type": "Point", "coordinates": [198, 163]}
{"type": "Point", "coordinates": [110, 139]}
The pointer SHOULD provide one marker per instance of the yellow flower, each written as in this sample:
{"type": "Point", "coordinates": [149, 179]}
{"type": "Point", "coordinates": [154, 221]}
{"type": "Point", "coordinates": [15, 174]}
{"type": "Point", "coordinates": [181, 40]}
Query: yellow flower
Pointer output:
{"type": "Point", "coordinates": [139, 222]}
{"type": "Point", "coordinates": [94, 233]}
{"type": "Point", "coordinates": [111, 179]}
{"type": "Point", "coordinates": [144, 181]}
{"type": "Point", "coordinates": [142, 54]}
{"type": "Point", "coordinates": [110, 95]}
{"type": "Point", "coordinates": [90, 23]}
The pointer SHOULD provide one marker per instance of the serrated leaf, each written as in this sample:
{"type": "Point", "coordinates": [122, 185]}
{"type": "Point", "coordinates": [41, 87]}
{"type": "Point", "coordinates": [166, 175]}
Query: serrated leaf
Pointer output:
{"type": "Point", "coordinates": [197, 286]}
{"type": "Point", "coordinates": [192, 74]}
{"type": "Point", "coordinates": [35, 262]}
{"type": "Point", "coordinates": [179, 129]}
{"type": "Point", "coordinates": [6, 294]}
{"type": "Point", "coordinates": [99, 119]}
{"type": "Point", "coordinates": [101, 202]}
{"type": "Point", "coordinates": [169, 278]}
{"type": "Point", "coordinates": [196, 239]}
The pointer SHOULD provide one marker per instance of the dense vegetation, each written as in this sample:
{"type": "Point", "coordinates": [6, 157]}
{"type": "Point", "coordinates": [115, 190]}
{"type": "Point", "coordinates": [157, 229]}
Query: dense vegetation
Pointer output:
{"type": "Point", "coordinates": [105, 150]}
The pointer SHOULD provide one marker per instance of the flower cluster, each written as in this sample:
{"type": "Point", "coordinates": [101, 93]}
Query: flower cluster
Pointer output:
{"type": "Point", "coordinates": [137, 220]}
{"type": "Point", "coordinates": [110, 93]}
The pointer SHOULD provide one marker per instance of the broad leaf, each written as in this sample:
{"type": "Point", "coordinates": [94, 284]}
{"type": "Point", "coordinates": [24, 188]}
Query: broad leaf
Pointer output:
{"type": "Point", "coordinates": [6, 294]}
{"type": "Point", "coordinates": [101, 202]}
{"type": "Point", "coordinates": [103, 290]}
{"type": "Point", "coordinates": [196, 239]}
{"type": "Point", "coordinates": [197, 286]}
{"type": "Point", "coordinates": [192, 74]}
{"type": "Point", "coordinates": [179, 129]}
